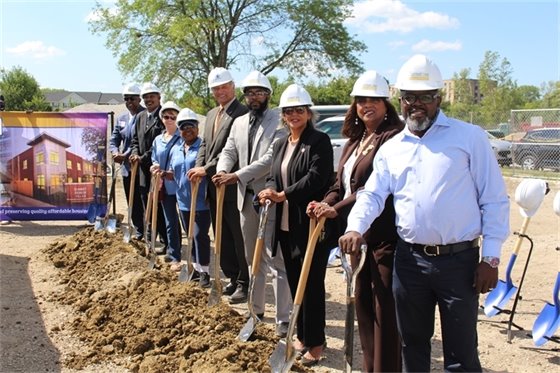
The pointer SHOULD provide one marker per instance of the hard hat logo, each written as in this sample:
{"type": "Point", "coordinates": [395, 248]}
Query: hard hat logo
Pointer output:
{"type": "Point", "coordinates": [419, 76]}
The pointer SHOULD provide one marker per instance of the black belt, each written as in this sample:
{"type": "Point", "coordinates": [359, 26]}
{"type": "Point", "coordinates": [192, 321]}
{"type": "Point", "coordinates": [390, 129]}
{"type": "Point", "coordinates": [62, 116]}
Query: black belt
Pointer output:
{"type": "Point", "coordinates": [437, 250]}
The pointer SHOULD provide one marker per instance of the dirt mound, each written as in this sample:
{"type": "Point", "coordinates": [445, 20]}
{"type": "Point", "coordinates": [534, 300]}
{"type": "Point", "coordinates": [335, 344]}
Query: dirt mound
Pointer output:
{"type": "Point", "coordinates": [145, 320]}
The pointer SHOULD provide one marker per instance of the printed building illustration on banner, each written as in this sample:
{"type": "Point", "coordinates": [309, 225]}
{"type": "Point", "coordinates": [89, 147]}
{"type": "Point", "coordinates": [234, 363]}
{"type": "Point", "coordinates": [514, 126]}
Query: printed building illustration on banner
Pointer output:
{"type": "Point", "coordinates": [52, 165]}
{"type": "Point", "coordinates": [47, 171]}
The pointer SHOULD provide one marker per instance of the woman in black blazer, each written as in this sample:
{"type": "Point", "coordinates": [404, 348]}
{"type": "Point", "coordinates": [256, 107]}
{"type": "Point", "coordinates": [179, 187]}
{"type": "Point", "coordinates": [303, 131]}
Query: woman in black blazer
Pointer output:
{"type": "Point", "coordinates": [301, 171]}
{"type": "Point", "coordinates": [369, 123]}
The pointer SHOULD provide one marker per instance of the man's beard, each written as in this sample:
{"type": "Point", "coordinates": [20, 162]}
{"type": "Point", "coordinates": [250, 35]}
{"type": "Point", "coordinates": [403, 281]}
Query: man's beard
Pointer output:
{"type": "Point", "coordinates": [258, 111]}
{"type": "Point", "coordinates": [418, 126]}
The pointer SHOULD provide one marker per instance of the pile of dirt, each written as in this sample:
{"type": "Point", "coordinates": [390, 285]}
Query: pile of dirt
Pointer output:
{"type": "Point", "coordinates": [145, 320]}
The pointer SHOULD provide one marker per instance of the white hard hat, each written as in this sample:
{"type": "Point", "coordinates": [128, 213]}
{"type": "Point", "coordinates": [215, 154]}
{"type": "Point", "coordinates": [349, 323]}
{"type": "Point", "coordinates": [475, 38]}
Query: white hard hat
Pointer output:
{"type": "Point", "coordinates": [149, 87]}
{"type": "Point", "coordinates": [371, 84]}
{"type": "Point", "coordinates": [169, 105]}
{"type": "Point", "coordinates": [529, 196]}
{"type": "Point", "coordinates": [256, 79]}
{"type": "Point", "coordinates": [295, 95]}
{"type": "Point", "coordinates": [419, 73]}
{"type": "Point", "coordinates": [219, 76]}
{"type": "Point", "coordinates": [556, 203]}
{"type": "Point", "coordinates": [186, 115]}
{"type": "Point", "coordinates": [131, 90]}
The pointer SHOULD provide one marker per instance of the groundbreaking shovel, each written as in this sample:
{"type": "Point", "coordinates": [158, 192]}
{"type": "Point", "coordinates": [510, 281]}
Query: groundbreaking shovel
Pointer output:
{"type": "Point", "coordinates": [251, 324]}
{"type": "Point", "coordinates": [283, 356]}
{"type": "Point", "coordinates": [549, 319]}
{"type": "Point", "coordinates": [504, 290]}
{"type": "Point", "coordinates": [187, 269]}
{"type": "Point", "coordinates": [351, 276]}
{"type": "Point", "coordinates": [129, 229]}
{"type": "Point", "coordinates": [215, 296]}
{"type": "Point", "coordinates": [148, 216]}
{"type": "Point", "coordinates": [110, 222]}
{"type": "Point", "coordinates": [152, 255]}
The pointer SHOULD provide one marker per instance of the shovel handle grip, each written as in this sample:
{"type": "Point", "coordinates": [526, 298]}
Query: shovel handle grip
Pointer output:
{"type": "Point", "coordinates": [309, 251]}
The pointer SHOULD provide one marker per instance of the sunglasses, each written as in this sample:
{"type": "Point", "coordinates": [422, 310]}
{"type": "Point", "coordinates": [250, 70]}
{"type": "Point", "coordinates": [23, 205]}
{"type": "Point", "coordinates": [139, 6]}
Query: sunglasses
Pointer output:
{"type": "Point", "coordinates": [255, 94]}
{"type": "Point", "coordinates": [363, 99]}
{"type": "Point", "coordinates": [169, 117]}
{"type": "Point", "coordinates": [290, 110]}
{"type": "Point", "coordinates": [131, 98]}
{"type": "Point", "coordinates": [427, 98]}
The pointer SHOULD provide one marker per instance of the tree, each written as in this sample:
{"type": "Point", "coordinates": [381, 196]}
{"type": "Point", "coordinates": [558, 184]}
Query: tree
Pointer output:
{"type": "Point", "coordinates": [21, 91]}
{"type": "Point", "coordinates": [176, 43]}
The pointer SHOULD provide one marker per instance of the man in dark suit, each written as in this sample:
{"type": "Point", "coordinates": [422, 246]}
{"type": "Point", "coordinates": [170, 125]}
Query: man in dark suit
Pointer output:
{"type": "Point", "coordinates": [148, 126]}
{"type": "Point", "coordinates": [216, 130]}
{"type": "Point", "coordinates": [120, 147]}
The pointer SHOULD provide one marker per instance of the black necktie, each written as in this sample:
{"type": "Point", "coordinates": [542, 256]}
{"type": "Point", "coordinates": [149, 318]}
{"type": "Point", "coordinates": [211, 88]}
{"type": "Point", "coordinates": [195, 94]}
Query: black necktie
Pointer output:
{"type": "Point", "coordinates": [253, 124]}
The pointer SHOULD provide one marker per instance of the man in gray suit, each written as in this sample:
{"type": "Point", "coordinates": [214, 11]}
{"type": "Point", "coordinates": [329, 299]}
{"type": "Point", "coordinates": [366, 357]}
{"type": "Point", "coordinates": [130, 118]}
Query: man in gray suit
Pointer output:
{"type": "Point", "coordinates": [218, 124]}
{"type": "Point", "coordinates": [250, 146]}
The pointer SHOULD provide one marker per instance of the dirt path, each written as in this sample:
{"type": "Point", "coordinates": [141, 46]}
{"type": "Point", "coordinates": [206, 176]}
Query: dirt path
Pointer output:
{"type": "Point", "coordinates": [72, 299]}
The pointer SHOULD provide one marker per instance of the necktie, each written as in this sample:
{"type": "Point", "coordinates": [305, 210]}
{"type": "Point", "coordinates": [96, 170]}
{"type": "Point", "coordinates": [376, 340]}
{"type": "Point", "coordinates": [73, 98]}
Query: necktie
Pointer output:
{"type": "Point", "coordinates": [253, 124]}
{"type": "Point", "coordinates": [218, 119]}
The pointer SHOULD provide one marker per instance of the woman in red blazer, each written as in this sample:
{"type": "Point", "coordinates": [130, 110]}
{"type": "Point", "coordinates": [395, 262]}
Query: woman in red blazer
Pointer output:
{"type": "Point", "coordinates": [370, 121]}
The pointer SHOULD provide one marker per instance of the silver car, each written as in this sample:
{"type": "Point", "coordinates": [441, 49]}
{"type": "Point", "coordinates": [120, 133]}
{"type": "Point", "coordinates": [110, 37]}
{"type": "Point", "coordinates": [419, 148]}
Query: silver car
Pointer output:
{"type": "Point", "coordinates": [502, 150]}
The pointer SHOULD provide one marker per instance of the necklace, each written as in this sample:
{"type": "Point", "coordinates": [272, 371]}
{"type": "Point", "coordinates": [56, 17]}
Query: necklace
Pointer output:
{"type": "Point", "coordinates": [365, 139]}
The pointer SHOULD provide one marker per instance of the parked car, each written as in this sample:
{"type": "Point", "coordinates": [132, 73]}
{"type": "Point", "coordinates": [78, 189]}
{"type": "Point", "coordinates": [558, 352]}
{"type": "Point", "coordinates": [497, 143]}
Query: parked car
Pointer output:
{"type": "Point", "coordinates": [502, 150]}
{"type": "Point", "coordinates": [332, 126]}
{"type": "Point", "coordinates": [539, 148]}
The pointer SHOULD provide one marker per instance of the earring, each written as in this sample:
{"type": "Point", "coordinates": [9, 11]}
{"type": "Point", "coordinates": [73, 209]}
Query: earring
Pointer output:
{"type": "Point", "coordinates": [356, 123]}
{"type": "Point", "coordinates": [385, 118]}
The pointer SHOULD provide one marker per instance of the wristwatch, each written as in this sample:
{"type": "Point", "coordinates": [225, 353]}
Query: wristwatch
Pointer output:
{"type": "Point", "coordinates": [492, 261]}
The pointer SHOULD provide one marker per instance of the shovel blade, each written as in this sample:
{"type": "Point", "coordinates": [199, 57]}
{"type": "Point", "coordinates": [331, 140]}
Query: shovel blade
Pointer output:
{"type": "Point", "coordinates": [126, 233]}
{"type": "Point", "coordinates": [184, 274]}
{"type": "Point", "coordinates": [152, 260]}
{"type": "Point", "coordinates": [92, 213]}
{"type": "Point", "coordinates": [248, 329]}
{"type": "Point", "coordinates": [282, 358]}
{"type": "Point", "coordinates": [112, 225]}
{"type": "Point", "coordinates": [498, 298]}
{"type": "Point", "coordinates": [215, 296]}
{"type": "Point", "coordinates": [546, 324]}
{"type": "Point", "coordinates": [98, 224]}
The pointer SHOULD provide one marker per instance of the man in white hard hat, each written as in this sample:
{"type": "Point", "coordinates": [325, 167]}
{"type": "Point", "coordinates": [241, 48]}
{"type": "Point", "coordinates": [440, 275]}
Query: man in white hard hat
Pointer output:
{"type": "Point", "coordinates": [148, 126]}
{"type": "Point", "coordinates": [250, 146]}
{"type": "Point", "coordinates": [120, 147]}
{"type": "Point", "coordinates": [218, 125]}
{"type": "Point", "coordinates": [448, 192]}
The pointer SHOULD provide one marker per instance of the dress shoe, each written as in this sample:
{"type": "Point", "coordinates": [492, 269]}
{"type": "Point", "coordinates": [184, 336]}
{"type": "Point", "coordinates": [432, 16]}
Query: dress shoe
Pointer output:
{"type": "Point", "coordinates": [195, 276]}
{"type": "Point", "coordinates": [239, 296]}
{"type": "Point", "coordinates": [204, 280]}
{"type": "Point", "coordinates": [247, 315]}
{"type": "Point", "coordinates": [230, 289]}
{"type": "Point", "coordinates": [282, 329]}
{"type": "Point", "coordinates": [309, 361]}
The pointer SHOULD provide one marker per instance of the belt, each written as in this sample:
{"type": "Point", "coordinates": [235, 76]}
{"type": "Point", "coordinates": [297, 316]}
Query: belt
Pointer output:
{"type": "Point", "coordinates": [438, 250]}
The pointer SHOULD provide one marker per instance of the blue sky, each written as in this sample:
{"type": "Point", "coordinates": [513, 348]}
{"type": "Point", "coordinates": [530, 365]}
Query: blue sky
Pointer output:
{"type": "Point", "coordinates": [51, 39]}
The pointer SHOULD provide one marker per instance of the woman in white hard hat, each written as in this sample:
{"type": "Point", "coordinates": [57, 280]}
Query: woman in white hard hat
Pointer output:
{"type": "Point", "coordinates": [161, 163]}
{"type": "Point", "coordinates": [183, 158]}
{"type": "Point", "coordinates": [370, 121]}
{"type": "Point", "coordinates": [301, 171]}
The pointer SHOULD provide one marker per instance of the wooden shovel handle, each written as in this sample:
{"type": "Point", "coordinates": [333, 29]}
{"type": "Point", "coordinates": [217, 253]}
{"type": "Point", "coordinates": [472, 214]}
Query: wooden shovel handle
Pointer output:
{"type": "Point", "coordinates": [194, 194]}
{"type": "Point", "coordinates": [309, 251]}
{"type": "Point", "coordinates": [260, 238]}
{"type": "Point", "coordinates": [519, 236]}
{"type": "Point", "coordinates": [220, 191]}
{"type": "Point", "coordinates": [155, 204]}
{"type": "Point", "coordinates": [133, 173]}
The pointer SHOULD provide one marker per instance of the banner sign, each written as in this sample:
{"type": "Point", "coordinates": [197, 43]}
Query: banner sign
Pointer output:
{"type": "Point", "coordinates": [52, 165]}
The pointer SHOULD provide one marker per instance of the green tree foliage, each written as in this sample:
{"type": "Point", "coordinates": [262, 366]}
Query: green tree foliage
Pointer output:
{"type": "Point", "coordinates": [21, 91]}
{"type": "Point", "coordinates": [175, 43]}
{"type": "Point", "coordinates": [551, 95]}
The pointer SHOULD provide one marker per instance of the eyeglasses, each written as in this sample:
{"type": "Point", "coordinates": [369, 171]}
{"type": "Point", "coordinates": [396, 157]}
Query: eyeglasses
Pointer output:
{"type": "Point", "coordinates": [424, 99]}
{"type": "Point", "coordinates": [363, 99]}
{"type": "Point", "coordinates": [255, 94]}
{"type": "Point", "coordinates": [130, 98]}
{"type": "Point", "coordinates": [290, 110]}
{"type": "Point", "coordinates": [169, 117]}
